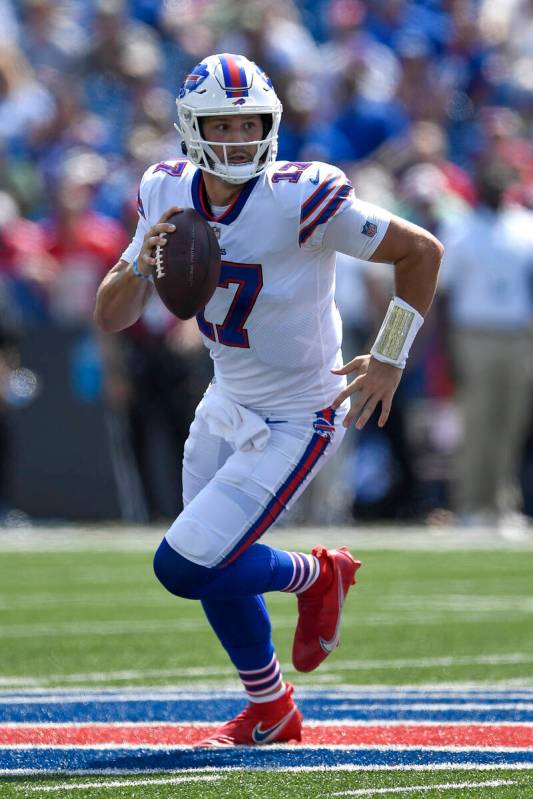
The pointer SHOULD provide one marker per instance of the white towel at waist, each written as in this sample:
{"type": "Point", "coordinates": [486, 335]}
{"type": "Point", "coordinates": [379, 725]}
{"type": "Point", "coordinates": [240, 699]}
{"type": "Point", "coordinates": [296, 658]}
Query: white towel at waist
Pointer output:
{"type": "Point", "coordinates": [241, 428]}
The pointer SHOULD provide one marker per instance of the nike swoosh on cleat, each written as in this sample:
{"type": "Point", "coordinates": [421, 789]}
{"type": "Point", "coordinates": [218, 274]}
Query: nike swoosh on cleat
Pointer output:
{"type": "Point", "coordinates": [329, 646]}
{"type": "Point", "coordinates": [261, 736]}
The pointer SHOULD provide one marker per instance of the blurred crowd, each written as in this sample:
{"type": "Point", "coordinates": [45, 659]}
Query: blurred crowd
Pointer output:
{"type": "Point", "coordinates": [426, 104]}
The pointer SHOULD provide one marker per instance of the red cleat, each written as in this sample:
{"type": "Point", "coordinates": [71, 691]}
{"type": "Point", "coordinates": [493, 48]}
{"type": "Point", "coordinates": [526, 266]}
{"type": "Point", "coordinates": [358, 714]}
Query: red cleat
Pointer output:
{"type": "Point", "coordinates": [320, 608]}
{"type": "Point", "coordinates": [261, 723]}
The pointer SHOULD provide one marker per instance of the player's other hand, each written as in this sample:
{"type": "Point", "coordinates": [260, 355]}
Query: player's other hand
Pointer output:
{"type": "Point", "coordinates": [376, 382]}
{"type": "Point", "coordinates": [155, 236]}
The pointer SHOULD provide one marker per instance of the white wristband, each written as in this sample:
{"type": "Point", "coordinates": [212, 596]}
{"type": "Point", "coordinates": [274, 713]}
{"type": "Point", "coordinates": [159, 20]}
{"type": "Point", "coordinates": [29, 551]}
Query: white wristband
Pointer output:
{"type": "Point", "coordinates": [400, 326]}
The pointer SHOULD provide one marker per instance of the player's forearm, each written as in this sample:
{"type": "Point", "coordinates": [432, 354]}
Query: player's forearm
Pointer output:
{"type": "Point", "coordinates": [121, 298]}
{"type": "Point", "coordinates": [416, 256]}
{"type": "Point", "coordinates": [416, 273]}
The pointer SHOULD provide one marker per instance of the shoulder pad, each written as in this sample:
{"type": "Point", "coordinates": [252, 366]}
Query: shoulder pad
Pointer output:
{"type": "Point", "coordinates": [310, 190]}
{"type": "Point", "coordinates": [286, 179]}
{"type": "Point", "coordinates": [156, 172]}
{"type": "Point", "coordinates": [154, 177]}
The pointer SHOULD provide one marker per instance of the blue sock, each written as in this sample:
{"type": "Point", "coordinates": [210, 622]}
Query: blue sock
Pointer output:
{"type": "Point", "coordinates": [243, 628]}
{"type": "Point", "coordinates": [258, 570]}
{"type": "Point", "coordinates": [261, 569]}
{"type": "Point", "coordinates": [232, 601]}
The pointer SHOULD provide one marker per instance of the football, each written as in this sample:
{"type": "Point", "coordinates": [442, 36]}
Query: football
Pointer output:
{"type": "Point", "coordinates": [187, 268]}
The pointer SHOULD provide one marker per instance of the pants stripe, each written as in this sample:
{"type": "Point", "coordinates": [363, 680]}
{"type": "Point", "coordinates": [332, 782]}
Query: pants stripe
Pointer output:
{"type": "Point", "coordinates": [278, 503]}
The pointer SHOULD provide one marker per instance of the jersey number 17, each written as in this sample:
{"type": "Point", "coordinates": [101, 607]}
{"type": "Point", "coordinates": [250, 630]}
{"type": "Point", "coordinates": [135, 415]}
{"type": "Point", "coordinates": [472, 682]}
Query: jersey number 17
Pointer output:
{"type": "Point", "coordinates": [249, 281]}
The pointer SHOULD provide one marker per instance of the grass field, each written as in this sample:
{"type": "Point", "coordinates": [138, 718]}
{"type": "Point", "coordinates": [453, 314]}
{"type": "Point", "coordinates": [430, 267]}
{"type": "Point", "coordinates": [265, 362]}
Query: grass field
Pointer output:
{"type": "Point", "coordinates": [84, 614]}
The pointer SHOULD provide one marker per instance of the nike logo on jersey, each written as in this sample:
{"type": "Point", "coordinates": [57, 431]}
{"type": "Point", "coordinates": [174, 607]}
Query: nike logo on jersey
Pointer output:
{"type": "Point", "coordinates": [316, 178]}
{"type": "Point", "coordinates": [329, 646]}
{"type": "Point", "coordinates": [263, 736]}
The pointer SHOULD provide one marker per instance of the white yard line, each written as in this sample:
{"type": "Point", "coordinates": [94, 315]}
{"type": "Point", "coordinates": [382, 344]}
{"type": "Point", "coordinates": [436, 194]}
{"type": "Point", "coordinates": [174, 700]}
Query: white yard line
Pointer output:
{"type": "Point", "coordinates": [348, 702]}
{"type": "Point", "coordinates": [445, 786]}
{"type": "Point", "coordinates": [518, 687]}
{"type": "Point", "coordinates": [426, 611]}
{"type": "Point", "coordinates": [121, 538]}
{"type": "Point", "coordinates": [435, 706]}
{"type": "Point", "coordinates": [510, 658]}
{"type": "Point", "coordinates": [361, 724]}
{"type": "Point", "coordinates": [21, 772]}
{"type": "Point", "coordinates": [434, 606]}
{"type": "Point", "coordinates": [10, 602]}
{"type": "Point", "coordinates": [99, 628]}
{"type": "Point", "coordinates": [496, 603]}
{"type": "Point", "coordinates": [28, 772]}
{"type": "Point", "coordinates": [122, 674]}
{"type": "Point", "coordinates": [281, 747]}
{"type": "Point", "coordinates": [458, 660]}
{"type": "Point", "coordinates": [157, 626]}
{"type": "Point", "coordinates": [69, 786]}
{"type": "Point", "coordinates": [203, 691]}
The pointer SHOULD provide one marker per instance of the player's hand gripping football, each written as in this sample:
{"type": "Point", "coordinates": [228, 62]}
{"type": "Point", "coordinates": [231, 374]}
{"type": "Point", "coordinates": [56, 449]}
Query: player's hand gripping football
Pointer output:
{"type": "Point", "coordinates": [375, 382]}
{"type": "Point", "coordinates": [154, 237]}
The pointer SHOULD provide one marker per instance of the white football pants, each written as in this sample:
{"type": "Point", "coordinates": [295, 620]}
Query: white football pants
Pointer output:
{"type": "Point", "coordinates": [232, 496]}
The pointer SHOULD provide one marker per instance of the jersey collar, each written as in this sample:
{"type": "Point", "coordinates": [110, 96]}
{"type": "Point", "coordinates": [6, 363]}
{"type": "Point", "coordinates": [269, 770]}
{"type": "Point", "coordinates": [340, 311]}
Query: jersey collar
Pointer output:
{"type": "Point", "coordinates": [202, 205]}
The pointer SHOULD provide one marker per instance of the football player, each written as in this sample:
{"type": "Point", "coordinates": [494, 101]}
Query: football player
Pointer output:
{"type": "Point", "coordinates": [279, 403]}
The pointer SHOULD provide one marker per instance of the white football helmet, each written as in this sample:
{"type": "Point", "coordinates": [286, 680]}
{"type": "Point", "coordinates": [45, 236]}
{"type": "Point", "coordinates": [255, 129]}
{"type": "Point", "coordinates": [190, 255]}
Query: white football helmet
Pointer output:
{"type": "Point", "coordinates": [220, 85]}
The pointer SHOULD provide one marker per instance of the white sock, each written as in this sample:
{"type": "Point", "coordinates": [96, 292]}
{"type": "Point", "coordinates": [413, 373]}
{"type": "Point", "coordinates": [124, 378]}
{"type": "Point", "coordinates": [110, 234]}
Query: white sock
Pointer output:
{"type": "Point", "coordinates": [265, 684]}
{"type": "Point", "coordinates": [306, 572]}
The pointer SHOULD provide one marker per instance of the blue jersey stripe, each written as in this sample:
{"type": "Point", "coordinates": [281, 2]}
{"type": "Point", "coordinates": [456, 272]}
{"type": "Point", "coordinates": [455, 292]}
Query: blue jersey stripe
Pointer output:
{"type": "Point", "coordinates": [317, 197]}
{"type": "Point", "coordinates": [327, 212]}
{"type": "Point", "coordinates": [201, 200]}
{"type": "Point", "coordinates": [140, 206]}
{"type": "Point", "coordinates": [176, 171]}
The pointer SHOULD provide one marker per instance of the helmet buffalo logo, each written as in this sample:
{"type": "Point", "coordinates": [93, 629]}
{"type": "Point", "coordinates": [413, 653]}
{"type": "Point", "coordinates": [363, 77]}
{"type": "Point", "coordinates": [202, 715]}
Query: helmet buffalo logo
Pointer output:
{"type": "Point", "coordinates": [194, 79]}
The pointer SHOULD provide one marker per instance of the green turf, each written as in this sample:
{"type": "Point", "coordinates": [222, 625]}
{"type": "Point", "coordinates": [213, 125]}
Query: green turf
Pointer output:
{"type": "Point", "coordinates": [272, 785]}
{"type": "Point", "coordinates": [96, 613]}
{"type": "Point", "coordinates": [100, 619]}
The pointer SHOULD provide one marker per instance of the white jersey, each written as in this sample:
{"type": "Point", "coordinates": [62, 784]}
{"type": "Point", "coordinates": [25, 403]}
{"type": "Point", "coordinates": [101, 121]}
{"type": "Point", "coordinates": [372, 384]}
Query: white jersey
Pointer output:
{"type": "Point", "coordinates": [272, 326]}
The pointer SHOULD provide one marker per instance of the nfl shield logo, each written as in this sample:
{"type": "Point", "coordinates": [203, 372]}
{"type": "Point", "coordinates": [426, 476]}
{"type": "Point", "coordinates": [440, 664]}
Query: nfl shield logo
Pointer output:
{"type": "Point", "coordinates": [369, 229]}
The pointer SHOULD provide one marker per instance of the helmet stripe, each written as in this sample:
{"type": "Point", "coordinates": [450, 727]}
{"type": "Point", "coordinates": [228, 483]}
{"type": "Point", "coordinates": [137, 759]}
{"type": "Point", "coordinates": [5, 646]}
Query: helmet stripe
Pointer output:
{"type": "Point", "coordinates": [235, 81]}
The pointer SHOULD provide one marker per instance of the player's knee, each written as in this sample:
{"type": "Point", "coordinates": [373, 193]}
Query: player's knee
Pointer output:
{"type": "Point", "coordinates": [178, 575]}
